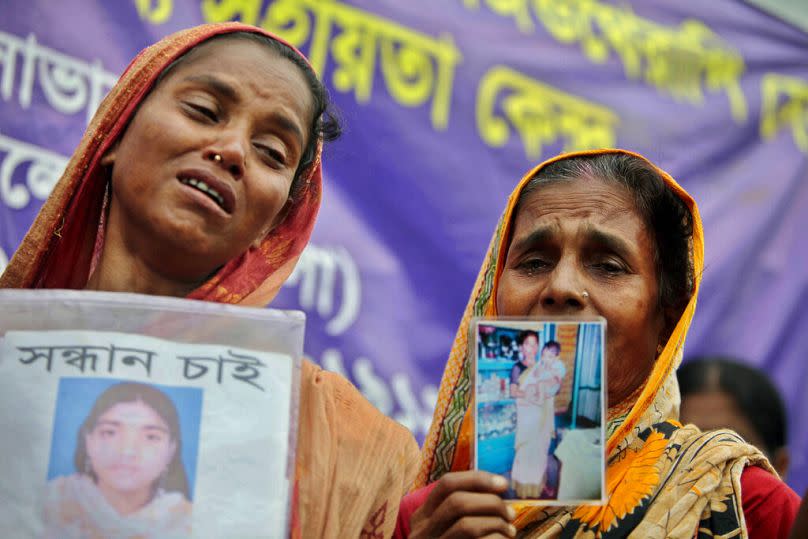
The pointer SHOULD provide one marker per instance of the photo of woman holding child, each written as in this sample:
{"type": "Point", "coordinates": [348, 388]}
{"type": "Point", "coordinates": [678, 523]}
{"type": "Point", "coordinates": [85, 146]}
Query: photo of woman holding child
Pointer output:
{"type": "Point", "coordinates": [534, 385]}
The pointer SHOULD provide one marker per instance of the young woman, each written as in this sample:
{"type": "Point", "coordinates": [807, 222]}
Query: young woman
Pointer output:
{"type": "Point", "coordinates": [200, 176]}
{"type": "Point", "coordinates": [130, 480]}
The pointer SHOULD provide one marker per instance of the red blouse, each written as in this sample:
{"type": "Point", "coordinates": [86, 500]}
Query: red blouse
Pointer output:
{"type": "Point", "coordinates": [769, 505]}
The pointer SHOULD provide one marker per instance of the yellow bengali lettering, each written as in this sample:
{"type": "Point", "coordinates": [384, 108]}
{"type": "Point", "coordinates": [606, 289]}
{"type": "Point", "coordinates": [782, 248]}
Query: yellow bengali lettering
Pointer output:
{"type": "Point", "coordinates": [246, 11]}
{"type": "Point", "coordinates": [617, 28]}
{"type": "Point", "coordinates": [784, 102]}
{"type": "Point", "coordinates": [415, 67]}
{"type": "Point", "coordinates": [571, 22]}
{"type": "Point", "coordinates": [155, 11]}
{"type": "Point", "coordinates": [540, 114]}
{"type": "Point", "coordinates": [518, 9]}
{"type": "Point", "coordinates": [354, 52]}
{"type": "Point", "coordinates": [682, 61]}
{"type": "Point", "coordinates": [292, 21]}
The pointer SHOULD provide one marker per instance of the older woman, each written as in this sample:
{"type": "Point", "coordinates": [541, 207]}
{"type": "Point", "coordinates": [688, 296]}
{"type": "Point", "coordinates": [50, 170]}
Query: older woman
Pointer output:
{"type": "Point", "coordinates": [200, 176]}
{"type": "Point", "coordinates": [602, 233]}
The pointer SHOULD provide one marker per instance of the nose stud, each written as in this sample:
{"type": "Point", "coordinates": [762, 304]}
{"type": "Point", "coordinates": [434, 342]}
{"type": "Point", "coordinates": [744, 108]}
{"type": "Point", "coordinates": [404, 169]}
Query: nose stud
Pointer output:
{"type": "Point", "coordinates": [216, 157]}
{"type": "Point", "coordinates": [585, 294]}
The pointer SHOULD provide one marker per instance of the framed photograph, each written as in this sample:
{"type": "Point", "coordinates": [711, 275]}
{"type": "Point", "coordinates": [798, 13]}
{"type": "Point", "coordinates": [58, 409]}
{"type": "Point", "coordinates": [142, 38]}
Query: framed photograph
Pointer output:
{"type": "Point", "coordinates": [540, 407]}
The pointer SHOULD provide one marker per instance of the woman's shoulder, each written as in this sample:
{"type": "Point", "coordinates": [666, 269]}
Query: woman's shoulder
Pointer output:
{"type": "Point", "coordinates": [174, 503]}
{"type": "Point", "coordinates": [65, 503]}
{"type": "Point", "coordinates": [769, 505]}
{"type": "Point", "coordinates": [66, 487]}
{"type": "Point", "coordinates": [57, 490]}
{"type": "Point", "coordinates": [348, 408]}
{"type": "Point", "coordinates": [346, 445]}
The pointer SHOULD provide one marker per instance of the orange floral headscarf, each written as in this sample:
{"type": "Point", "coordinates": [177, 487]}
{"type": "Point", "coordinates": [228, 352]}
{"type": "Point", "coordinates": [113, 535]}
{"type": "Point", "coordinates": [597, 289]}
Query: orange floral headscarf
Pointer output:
{"type": "Point", "coordinates": [58, 250]}
{"type": "Point", "coordinates": [642, 431]}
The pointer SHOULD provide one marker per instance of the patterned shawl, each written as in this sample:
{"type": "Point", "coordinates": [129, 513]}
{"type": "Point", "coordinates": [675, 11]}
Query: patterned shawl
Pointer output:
{"type": "Point", "coordinates": [351, 459]}
{"type": "Point", "coordinates": [662, 479]}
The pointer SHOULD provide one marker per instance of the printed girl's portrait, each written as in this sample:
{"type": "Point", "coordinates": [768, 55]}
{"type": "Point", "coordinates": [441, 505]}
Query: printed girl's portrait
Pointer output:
{"type": "Point", "coordinates": [123, 459]}
{"type": "Point", "coordinates": [540, 409]}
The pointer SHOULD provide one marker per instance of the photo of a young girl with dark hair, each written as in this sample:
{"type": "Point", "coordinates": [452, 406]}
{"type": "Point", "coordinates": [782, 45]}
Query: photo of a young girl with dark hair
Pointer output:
{"type": "Point", "coordinates": [128, 479]}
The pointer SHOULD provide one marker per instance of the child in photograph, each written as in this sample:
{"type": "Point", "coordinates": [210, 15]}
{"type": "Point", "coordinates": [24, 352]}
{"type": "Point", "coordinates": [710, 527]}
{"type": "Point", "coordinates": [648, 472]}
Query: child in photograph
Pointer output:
{"type": "Point", "coordinates": [534, 384]}
{"type": "Point", "coordinates": [129, 480]}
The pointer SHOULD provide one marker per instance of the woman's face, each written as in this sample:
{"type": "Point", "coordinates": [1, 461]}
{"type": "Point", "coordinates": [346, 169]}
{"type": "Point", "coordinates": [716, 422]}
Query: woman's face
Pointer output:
{"type": "Point", "coordinates": [713, 409]}
{"type": "Point", "coordinates": [173, 200]}
{"type": "Point", "coordinates": [529, 349]}
{"type": "Point", "coordinates": [585, 235]}
{"type": "Point", "coordinates": [716, 409]}
{"type": "Point", "coordinates": [129, 447]}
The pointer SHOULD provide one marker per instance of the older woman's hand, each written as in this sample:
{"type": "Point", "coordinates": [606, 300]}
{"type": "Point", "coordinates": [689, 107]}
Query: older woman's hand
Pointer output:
{"type": "Point", "coordinates": [465, 504]}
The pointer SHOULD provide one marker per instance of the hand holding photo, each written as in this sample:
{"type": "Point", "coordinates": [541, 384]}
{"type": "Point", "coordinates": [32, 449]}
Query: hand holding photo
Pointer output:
{"type": "Point", "coordinates": [539, 407]}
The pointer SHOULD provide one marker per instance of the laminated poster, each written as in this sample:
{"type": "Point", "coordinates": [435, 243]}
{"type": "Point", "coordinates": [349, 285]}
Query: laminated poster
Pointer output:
{"type": "Point", "coordinates": [128, 416]}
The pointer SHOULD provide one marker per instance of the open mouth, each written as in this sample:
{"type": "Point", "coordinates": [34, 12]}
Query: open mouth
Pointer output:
{"type": "Point", "coordinates": [212, 193]}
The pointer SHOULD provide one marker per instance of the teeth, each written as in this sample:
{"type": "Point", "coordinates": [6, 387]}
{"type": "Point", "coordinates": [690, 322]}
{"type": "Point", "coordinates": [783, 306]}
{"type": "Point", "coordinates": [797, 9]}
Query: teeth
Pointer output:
{"type": "Point", "coordinates": [205, 188]}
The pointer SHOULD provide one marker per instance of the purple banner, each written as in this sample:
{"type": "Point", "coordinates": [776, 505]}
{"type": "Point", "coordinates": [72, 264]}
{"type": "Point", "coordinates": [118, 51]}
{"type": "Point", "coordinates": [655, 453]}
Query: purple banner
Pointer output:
{"type": "Point", "coordinates": [447, 105]}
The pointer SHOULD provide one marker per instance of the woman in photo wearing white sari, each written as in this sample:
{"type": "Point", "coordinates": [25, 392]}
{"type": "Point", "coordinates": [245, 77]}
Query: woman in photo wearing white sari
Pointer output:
{"type": "Point", "coordinates": [535, 394]}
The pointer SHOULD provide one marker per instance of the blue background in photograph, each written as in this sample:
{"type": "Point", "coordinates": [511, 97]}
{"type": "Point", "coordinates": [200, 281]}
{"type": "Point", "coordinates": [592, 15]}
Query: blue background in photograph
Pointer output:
{"type": "Point", "coordinates": [74, 401]}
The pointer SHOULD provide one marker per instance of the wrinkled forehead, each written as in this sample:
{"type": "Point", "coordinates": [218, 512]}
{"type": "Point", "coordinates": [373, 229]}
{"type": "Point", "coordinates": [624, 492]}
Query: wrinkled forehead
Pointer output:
{"type": "Point", "coordinates": [592, 205]}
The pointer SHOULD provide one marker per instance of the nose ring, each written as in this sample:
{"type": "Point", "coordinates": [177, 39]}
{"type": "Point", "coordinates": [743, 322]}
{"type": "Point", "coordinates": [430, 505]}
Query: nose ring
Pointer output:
{"type": "Point", "coordinates": [585, 294]}
{"type": "Point", "coordinates": [216, 157]}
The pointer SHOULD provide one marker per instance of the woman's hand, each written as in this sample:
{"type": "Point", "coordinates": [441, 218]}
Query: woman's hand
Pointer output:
{"type": "Point", "coordinates": [465, 504]}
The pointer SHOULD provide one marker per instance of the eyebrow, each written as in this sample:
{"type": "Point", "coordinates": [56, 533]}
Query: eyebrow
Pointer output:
{"type": "Point", "coordinates": [593, 236]}
{"type": "Point", "coordinates": [118, 424]}
{"type": "Point", "coordinates": [538, 236]}
{"type": "Point", "coordinates": [217, 85]}
{"type": "Point", "coordinates": [286, 124]}
{"type": "Point", "coordinates": [609, 241]}
{"type": "Point", "coordinates": [226, 91]}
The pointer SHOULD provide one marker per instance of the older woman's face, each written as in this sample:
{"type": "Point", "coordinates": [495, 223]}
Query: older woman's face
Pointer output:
{"type": "Point", "coordinates": [585, 235]}
{"type": "Point", "coordinates": [206, 165]}
{"type": "Point", "coordinates": [129, 447]}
